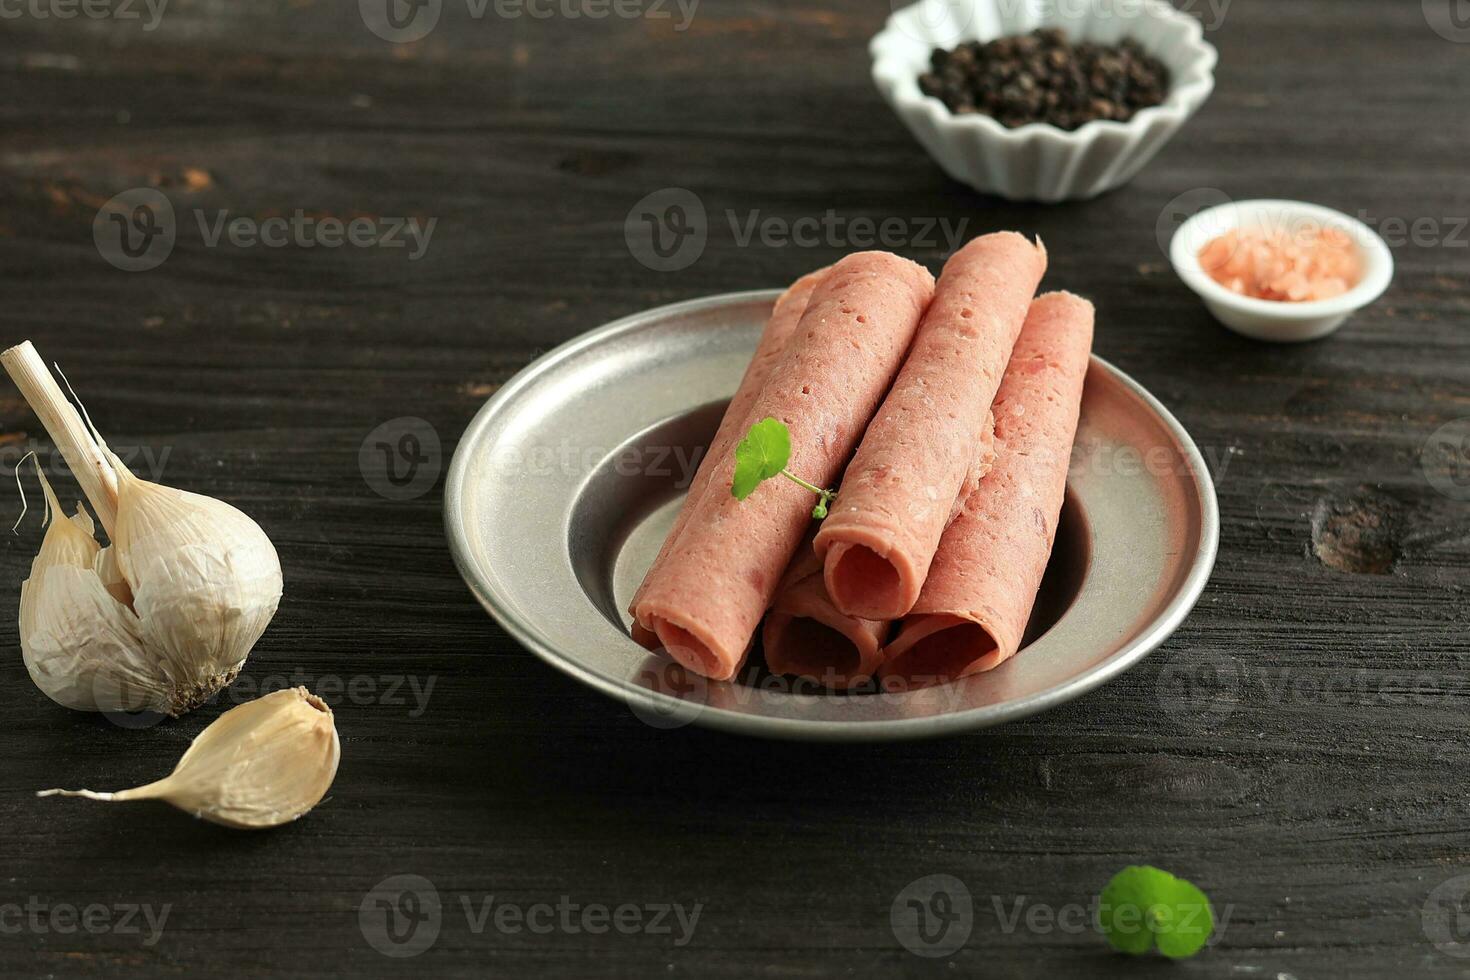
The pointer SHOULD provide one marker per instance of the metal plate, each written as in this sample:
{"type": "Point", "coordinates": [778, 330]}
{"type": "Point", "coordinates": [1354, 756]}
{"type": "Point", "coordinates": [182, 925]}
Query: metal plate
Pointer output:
{"type": "Point", "coordinates": [565, 483]}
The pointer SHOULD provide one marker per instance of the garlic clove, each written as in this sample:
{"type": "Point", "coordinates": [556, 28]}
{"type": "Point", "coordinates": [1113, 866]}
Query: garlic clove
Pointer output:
{"type": "Point", "coordinates": [82, 647]}
{"type": "Point", "coordinates": [204, 578]}
{"type": "Point", "coordinates": [261, 764]}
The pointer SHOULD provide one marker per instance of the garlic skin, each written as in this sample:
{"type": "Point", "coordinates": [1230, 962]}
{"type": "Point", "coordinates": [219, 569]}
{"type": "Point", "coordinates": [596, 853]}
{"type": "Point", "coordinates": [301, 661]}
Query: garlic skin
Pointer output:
{"type": "Point", "coordinates": [81, 643]}
{"type": "Point", "coordinates": [262, 764]}
{"type": "Point", "coordinates": [205, 583]}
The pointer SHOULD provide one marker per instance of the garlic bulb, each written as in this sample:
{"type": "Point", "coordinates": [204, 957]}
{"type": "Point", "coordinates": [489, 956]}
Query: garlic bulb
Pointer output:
{"type": "Point", "coordinates": [261, 764]}
{"type": "Point", "coordinates": [164, 617]}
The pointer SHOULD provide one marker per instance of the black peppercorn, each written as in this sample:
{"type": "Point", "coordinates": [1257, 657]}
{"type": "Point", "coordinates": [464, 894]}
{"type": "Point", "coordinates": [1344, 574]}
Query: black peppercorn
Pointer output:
{"type": "Point", "coordinates": [1043, 77]}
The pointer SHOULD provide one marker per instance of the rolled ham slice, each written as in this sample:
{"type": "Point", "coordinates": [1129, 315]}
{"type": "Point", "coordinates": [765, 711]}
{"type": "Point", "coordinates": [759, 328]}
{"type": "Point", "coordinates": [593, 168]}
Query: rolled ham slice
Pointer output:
{"type": "Point", "coordinates": [806, 635]}
{"type": "Point", "coordinates": [706, 598]}
{"type": "Point", "coordinates": [789, 307]}
{"type": "Point", "coordinates": [974, 606]}
{"type": "Point", "coordinates": [883, 529]}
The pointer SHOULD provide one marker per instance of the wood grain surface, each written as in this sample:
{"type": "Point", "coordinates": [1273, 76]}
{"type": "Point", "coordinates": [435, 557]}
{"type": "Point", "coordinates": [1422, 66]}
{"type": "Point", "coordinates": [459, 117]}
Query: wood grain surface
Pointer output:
{"type": "Point", "coordinates": [1297, 749]}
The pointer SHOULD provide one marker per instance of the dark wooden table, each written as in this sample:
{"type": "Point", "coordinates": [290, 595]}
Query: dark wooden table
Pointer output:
{"type": "Point", "coordinates": [1298, 748]}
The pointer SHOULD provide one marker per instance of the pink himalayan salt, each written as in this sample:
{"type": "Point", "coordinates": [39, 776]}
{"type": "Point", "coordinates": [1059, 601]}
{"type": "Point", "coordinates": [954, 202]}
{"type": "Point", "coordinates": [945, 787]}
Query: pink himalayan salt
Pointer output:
{"type": "Point", "coordinates": [1309, 264]}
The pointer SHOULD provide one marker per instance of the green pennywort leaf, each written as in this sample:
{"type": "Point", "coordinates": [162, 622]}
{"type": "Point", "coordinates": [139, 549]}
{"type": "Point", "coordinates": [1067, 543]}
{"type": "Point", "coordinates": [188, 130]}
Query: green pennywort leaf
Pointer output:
{"type": "Point", "coordinates": [762, 454]}
{"type": "Point", "coordinates": [1143, 907]}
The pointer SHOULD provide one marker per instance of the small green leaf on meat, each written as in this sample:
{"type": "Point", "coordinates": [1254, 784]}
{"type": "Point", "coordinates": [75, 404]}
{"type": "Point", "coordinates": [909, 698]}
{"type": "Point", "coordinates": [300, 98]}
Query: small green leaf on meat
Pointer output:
{"type": "Point", "coordinates": [764, 453]}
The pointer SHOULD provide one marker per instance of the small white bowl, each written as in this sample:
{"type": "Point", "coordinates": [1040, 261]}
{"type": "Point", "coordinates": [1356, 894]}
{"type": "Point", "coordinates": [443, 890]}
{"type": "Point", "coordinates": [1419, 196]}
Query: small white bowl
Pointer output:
{"type": "Point", "coordinates": [1039, 162]}
{"type": "Point", "coordinates": [1275, 320]}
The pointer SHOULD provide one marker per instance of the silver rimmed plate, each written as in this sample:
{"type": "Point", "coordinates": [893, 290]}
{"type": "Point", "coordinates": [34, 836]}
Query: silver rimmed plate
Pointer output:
{"type": "Point", "coordinates": [565, 483]}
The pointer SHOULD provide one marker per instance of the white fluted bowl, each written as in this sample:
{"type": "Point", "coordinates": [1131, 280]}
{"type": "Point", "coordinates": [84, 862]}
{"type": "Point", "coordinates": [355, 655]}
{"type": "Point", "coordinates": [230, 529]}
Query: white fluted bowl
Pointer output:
{"type": "Point", "coordinates": [1039, 162]}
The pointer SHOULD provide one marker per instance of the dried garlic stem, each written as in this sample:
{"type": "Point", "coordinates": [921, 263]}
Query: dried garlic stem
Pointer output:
{"type": "Point", "coordinates": [85, 794]}
{"type": "Point", "coordinates": [73, 438]}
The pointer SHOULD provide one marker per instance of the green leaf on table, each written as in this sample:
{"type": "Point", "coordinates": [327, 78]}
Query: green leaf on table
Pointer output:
{"type": "Point", "coordinates": [762, 454]}
{"type": "Point", "coordinates": [1143, 907]}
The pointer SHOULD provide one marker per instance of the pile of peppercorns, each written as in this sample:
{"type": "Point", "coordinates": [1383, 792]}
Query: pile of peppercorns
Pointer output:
{"type": "Point", "coordinates": [1043, 77]}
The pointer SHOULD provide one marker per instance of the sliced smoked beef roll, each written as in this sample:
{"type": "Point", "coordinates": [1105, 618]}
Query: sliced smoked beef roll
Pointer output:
{"type": "Point", "coordinates": [787, 312]}
{"type": "Point", "coordinates": [706, 598]}
{"type": "Point", "coordinates": [895, 499]}
{"type": "Point", "coordinates": [977, 599]}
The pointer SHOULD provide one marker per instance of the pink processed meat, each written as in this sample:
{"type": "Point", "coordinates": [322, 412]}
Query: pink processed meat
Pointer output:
{"type": "Point", "coordinates": [706, 598]}
{"type": "Point", "coordinates": [898, 492]}
{"type": "Point", "coordinates": [787, 312]}
{"type": "Point", "coordinates": [973, 610]}
{"type": "Point", "coordinates": [806, 635]}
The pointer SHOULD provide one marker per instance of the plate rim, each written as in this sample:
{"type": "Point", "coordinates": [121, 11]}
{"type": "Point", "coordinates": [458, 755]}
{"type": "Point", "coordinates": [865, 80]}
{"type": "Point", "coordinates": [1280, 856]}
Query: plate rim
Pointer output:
{"type": "Point", "coordinates": [639, 698]}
